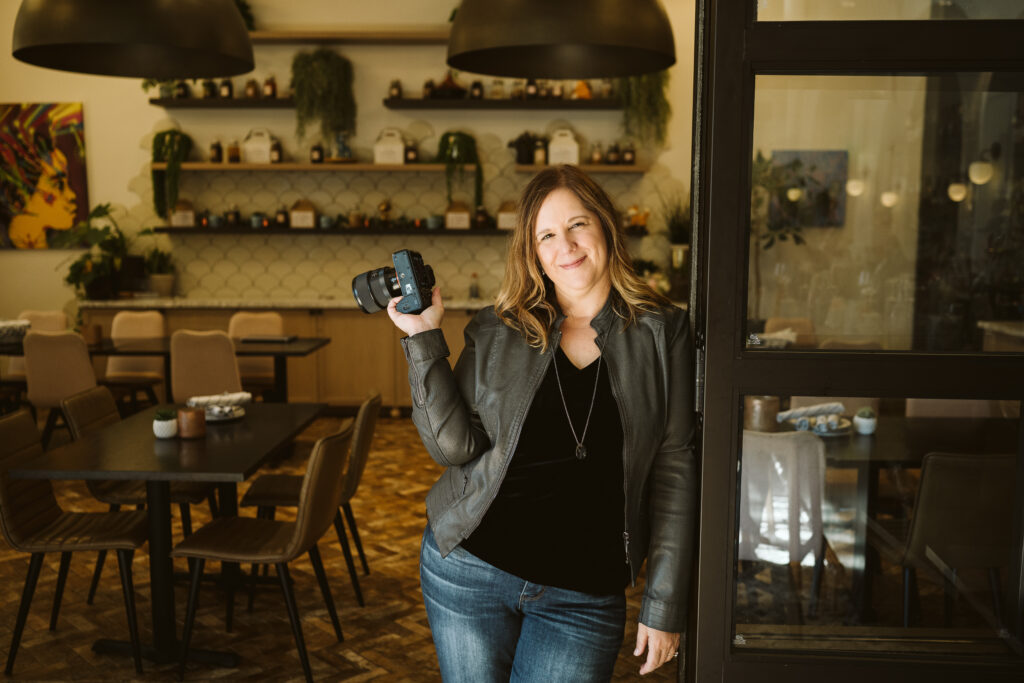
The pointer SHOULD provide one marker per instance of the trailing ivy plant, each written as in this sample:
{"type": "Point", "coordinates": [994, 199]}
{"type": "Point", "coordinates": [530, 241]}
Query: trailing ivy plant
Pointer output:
{"type": "Point", "coordinates": [455, 151]}
{"type": "Point", "coordinates": [172, 147]}
{"type": "Point", "coordinates": [645, 107]}
{"type": "Point", "coordinates": [322, 81]}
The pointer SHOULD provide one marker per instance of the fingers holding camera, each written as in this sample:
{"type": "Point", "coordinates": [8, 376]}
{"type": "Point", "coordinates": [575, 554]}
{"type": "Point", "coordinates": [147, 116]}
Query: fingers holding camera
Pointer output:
{"type": "Point", "coordinates": [429, 319]}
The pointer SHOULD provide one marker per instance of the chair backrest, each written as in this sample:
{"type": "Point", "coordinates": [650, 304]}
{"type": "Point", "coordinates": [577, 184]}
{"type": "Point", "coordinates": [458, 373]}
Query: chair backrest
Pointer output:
{"type": "Point", "coordinates": [246, 323]}
{"type": "Point", "coordinates": [783, 479]}
{"type": "Point", "coordinates": [42, 321]}
{"type": "Point", "coordinates": [320, 495]}
{"type": "Point", "coordinates": [202, 363]}
{"type": "Point", "coordinates": [963, 511]}
{"type": "Point", "coordinates": [366, 421]}
{"type": "Point", "coordinates": [954, 407]}
{"type": "Point", "coordinates": [26, 505]}
{"type": "Point", "coordinates": [90, 410]}
{"type": "Point", "coordinates": [804, 328]}
{"type": "Point", "coordinates": [129, 325]}
{"type": "Point", "coordinates": [57, 365]}
{"type": "Point", "coordinates": [850, 403]}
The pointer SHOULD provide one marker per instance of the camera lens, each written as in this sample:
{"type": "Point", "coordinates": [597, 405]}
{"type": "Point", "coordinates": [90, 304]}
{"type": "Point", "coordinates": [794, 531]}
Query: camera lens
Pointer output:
{"type": "Point", "coordinates": [375, 288]}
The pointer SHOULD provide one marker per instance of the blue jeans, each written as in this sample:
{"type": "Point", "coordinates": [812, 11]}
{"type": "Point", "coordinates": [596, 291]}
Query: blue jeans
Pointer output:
{"type": "Point", "coordinates": [489, 625]}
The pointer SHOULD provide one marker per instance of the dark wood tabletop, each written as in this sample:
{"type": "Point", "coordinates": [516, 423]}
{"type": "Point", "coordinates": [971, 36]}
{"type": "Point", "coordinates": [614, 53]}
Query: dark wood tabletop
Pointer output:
{"type": "Point", "coordinates": [161, 346]}
{"type": "Point", "coordinates": [230, 451]}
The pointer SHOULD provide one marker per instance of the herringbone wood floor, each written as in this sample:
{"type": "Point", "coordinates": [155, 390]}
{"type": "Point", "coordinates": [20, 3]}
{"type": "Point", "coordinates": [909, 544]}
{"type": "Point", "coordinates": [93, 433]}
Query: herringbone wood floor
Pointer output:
{"type": "Point", "coordinates": [388, 640]}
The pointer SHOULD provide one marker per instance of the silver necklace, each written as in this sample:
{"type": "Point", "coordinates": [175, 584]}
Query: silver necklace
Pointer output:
{"type": "Point", "coordinates": [581, 450]}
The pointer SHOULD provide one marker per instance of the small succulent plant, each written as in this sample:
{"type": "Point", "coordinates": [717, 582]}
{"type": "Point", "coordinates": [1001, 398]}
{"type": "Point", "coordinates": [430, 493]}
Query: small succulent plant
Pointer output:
{"type": "Point", "coordinates": [866, 412]}
{"type": "Point", "coordinates": [165, 414]}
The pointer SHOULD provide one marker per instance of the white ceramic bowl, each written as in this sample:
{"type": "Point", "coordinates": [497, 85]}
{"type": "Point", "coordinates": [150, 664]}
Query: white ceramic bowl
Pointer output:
{"type": "Point", "coordinates": [165, 429]}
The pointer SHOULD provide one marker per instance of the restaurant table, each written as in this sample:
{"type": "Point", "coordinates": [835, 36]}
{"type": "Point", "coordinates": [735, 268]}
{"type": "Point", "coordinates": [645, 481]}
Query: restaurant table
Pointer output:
{"type": "Point", "coordinates": [903, 442]}
{"type": "Point", "coordinates": [161, 346]}
{"type": "Point", "coordinates": [230, 452]}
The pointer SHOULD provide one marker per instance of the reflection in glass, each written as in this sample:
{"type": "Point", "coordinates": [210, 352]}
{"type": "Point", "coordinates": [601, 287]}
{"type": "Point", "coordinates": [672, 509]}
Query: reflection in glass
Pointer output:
{"type": "Point", "coordinates": [885, 10]}
{"type": "Point", "coordinates": [877, 524]}
{"type": "Point", "coordinates": [887, 212]}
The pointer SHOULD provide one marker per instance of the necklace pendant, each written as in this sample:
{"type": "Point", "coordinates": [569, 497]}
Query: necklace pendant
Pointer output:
{"type": "Point", "coordinates": [581, 451]}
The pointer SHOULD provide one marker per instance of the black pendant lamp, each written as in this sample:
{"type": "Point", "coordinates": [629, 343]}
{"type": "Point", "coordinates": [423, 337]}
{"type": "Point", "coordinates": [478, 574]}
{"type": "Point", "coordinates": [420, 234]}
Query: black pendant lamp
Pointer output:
{"type": "Point", "coordinates": [161, 39]}
{"type": "Point", "coordinates": [561, 38]}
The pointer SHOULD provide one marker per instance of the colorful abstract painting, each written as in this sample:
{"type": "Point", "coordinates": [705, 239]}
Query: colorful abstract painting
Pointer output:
{"type": "Point", "coordinates": [815, 194]}
{"type": "Point", "coordinates": [42, 172]}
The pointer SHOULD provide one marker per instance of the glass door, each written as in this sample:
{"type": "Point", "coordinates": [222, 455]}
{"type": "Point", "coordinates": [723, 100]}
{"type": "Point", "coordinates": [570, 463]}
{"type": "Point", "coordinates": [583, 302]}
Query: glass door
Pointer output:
{"type": "Point", "coordinates": [859, 195]}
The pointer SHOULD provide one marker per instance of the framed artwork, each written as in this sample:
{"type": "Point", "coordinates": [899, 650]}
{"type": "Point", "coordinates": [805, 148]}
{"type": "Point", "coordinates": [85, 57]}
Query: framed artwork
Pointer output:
{"type": "Point", "coordinates": [42, 172]}
{"type": "Point", "coordinates": [814, 195]}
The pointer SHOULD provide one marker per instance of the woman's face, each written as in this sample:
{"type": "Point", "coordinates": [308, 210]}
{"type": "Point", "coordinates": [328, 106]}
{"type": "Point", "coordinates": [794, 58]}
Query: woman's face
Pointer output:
{"type": "Point", "coordinates": [571, 245]}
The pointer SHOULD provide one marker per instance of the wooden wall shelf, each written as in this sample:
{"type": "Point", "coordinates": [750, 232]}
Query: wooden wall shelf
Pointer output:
{"type": "Point", "coordinates": [466, 103]}
{"type": "Point", "coordinates": [225, 103]}
{"type": "Point", "coordinates": [305, 166]}
{"type": "Point", "coordinates": [391, 36]}
{"type": "Point", "coordinates": [338, 232]}
{"type": "Point", "coordinates": [590, 168]}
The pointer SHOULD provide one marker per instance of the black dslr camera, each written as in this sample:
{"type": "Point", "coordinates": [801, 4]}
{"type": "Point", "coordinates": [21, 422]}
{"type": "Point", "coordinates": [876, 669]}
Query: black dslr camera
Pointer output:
{"type": "Point", "coordinates": [410, 279]}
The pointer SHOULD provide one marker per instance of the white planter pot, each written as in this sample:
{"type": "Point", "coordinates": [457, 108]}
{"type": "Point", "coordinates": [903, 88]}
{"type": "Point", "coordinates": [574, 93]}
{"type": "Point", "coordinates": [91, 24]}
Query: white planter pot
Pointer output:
{"type": "Point", "coordinates": [163, 284]}
{"type": "Point", "coordinates": [864, 425]}
{"type": "Point", "coordinates": [165, 429]}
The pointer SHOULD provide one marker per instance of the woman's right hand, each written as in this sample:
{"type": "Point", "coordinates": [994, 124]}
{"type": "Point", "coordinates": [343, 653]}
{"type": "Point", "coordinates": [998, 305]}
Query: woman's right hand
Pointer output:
{"type": "Point", "coordinates": [428, 319]}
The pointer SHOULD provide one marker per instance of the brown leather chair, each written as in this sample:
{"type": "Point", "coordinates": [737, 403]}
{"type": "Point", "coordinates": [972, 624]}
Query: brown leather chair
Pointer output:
{"type": "Point", "coordinates": [963, 517]}
{"type": "Point", "coordinates": [257, 373]}
{"type": "Point", "coordinates": [129, 375]}
{"type": "Point", "coordinates": [33, 522]}
{"type": "Point", "coordinates": [94, 409]}
{"type": "Point", "coordinates": [267, 541]}
{"type": "Point", "coordinates": [271, 491]}
{"type": "Point", "coordinates": [203, 363]}
{"type": "Point", "coordinates": [57, 365]}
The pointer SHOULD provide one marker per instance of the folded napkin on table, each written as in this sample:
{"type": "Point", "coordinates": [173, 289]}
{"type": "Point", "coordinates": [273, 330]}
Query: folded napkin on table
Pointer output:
{"type": "Point", "coordinates": [226, 399]}
{"type": "Point", "coordinates": [810, 411]}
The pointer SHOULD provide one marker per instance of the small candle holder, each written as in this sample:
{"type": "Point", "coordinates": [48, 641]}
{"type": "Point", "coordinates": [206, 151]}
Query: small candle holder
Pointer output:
{"type": "Point", "coordinates": [191, 423]}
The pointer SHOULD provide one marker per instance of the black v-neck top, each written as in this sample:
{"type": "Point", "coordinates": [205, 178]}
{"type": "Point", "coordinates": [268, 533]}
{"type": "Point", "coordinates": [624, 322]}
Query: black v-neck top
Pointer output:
{"type": "Point", "coordinates": [558, 521]}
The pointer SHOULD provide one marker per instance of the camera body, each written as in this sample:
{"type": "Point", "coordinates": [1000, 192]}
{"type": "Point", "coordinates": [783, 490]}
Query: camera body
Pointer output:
{"type": "Point", "coordinates": [410, 278]}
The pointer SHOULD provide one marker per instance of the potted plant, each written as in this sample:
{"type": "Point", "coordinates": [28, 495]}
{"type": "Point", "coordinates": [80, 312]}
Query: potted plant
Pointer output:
{"type": "Point", "coordinates": [95, 274]}
{"type": "Point", "coordinates": [160, 269]}
{"type": "Point", "coordinates": [865, 420]}
{"type": "Point", "coordinates": [455, 150]}
{"type": "Point", "coordinates": [165, 423]}
{"type": "Point", "coordinates": [171, 147]}
{"type": "Point", "coordinates": [645, 107]}
{"type": "Point", "coordinates": [322, 81]}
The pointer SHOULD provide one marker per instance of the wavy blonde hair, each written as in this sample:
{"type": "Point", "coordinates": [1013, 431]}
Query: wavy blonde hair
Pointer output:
{"type": "Point", "coordinates": [526, 301]}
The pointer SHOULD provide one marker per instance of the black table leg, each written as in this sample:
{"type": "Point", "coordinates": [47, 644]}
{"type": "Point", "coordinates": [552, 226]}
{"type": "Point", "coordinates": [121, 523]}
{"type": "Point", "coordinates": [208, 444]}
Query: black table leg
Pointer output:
{"type": "Point", "coordinates": [167, 379]}
{"type": "Point", "coordinates": [280, 392]}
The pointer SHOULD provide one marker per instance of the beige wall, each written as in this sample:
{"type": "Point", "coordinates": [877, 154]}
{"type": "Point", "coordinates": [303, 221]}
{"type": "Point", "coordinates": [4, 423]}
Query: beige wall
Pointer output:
{"type": "Point", "coordinates": [119, 124]}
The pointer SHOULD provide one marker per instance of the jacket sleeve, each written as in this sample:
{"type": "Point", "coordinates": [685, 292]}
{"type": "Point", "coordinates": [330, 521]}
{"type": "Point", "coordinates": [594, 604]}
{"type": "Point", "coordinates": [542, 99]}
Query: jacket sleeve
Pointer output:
{"type": "Point", "coordinates": [673, 493]}
{"type": "Point", "coordinates": [443, 407]}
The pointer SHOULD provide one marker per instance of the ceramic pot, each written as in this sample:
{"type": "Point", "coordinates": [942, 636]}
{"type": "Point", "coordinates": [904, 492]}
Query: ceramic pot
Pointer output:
{"type": "Point", "coordinates": [865, 425]}
{"type": "Point", "coordinates": [162, 284]}
{"type": "Point", "coordinates": [759, 413]}
{"type": "Point", "coordinates": [165, 429]}
{"type": "Point", "coordinates": [191, 423]}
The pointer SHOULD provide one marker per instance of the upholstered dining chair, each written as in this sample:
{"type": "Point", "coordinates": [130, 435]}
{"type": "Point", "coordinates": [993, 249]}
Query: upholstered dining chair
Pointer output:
{"type": "Point", "coordinates": [267, 541]}
{"type": "Point", "coordinates": [963, 519]}
{"type": "Point", "coordinates": [32, 522]}
{"type": "Point", "coordinates": [57, 365]}
{"type": "Point", "coordinates": [257, 373]}
{"type": "Point", "coordinates": [42, 321]}
{"type": "Point", "coordinates": [94, 409]}
{"type": "Point", "coordinates": [203, 363]}
{"type": "Point", "coordinates": [270, 491]}
{"type": "Point", "coordinates": [129, 375]}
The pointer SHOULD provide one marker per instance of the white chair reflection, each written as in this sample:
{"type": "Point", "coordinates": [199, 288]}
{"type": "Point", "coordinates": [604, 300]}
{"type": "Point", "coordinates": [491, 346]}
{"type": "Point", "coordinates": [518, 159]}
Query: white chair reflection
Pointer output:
{"type": "Point", "coordinates": [783, 477]}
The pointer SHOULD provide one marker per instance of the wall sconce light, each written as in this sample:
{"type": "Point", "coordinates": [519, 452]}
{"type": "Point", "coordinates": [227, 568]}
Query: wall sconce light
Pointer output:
{"type": "Point", "coordinates": [855, 187]}
{"type": "Point", "coordinates": [957, 191]}
{"type": "Point", "coordinates": [981, 171]}
{"type": "Point", "coordinates": [889, 198]}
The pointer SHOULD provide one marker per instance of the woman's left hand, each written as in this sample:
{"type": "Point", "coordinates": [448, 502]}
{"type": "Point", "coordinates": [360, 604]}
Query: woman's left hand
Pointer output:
{"type": "Point", "coordinates": [661, 647]}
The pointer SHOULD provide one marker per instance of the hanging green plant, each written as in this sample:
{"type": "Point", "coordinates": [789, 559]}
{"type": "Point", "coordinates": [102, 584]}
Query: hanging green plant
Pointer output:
{"type": "Point", "coordinates": [322, 81]}
{"type": "Point", "coordinates": [645, 107]}
{"type": "Point", "coordinates": [455, 151]}
{"type": "Point", "coordinates": [172, 147]}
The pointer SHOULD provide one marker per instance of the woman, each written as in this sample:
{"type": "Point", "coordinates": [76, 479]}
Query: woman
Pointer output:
{"type": "Point", "coordinates": [567, 430]}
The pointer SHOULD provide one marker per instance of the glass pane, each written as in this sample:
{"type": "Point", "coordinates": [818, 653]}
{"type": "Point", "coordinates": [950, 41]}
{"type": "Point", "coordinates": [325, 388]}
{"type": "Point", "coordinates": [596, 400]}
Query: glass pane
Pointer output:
{"type": "Point", "coordinates": [886, 10]}
{"type": "Point", "coordinates": [832, 521]}
{"type": "Point", "coordinates": [887, 212]}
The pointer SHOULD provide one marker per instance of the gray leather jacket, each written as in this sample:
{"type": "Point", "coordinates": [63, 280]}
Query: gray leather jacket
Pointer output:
{"type": "Point", "coordinates": [470, 419]}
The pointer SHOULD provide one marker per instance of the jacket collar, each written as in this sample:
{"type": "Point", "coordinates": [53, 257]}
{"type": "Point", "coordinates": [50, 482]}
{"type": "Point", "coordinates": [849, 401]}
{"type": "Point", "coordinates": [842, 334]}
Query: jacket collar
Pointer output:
{"type": "Point", "coordinates": [602, 322]}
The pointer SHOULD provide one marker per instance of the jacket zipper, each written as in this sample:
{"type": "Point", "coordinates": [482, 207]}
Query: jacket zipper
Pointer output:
{"type": "Point", "coordinates": [625, 470]}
